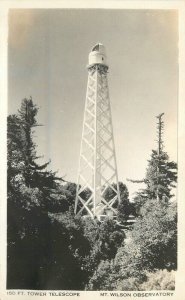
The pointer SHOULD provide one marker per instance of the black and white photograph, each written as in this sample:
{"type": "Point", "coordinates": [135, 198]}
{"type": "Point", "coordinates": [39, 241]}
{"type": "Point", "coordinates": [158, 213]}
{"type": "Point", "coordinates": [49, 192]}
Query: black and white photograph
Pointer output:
{"type": "Point", "coordinates": [92, 151]}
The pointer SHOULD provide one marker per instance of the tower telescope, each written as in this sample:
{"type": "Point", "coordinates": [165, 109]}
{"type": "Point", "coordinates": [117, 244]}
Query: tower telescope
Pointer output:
{"type": "Point", "coordinates": [97, 186]}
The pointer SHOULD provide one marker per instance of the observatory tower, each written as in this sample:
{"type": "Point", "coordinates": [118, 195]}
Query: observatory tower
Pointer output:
{"type": "Point", "coordinates": [97, 187]}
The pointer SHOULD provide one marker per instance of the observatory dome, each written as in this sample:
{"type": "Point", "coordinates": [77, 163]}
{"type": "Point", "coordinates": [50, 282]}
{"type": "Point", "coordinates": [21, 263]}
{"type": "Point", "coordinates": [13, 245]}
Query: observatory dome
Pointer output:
{"type": "Point", "coordinates": [98, 55]}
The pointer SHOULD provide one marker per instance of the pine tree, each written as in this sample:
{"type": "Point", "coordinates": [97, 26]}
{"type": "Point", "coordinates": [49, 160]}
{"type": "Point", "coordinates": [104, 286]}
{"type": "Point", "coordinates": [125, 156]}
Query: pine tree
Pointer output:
{"type": "Point", "coordinates": [125, 207]}
{"type": "Point", "coordinates": [30, 188]}
{"type": "Point", "coordinates": [161, 174]}
{"type": "Point", "coordinates": [22, 157]}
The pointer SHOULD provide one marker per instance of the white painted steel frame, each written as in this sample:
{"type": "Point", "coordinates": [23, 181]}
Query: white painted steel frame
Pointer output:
{"type": "Point", "coordinates": [97, 164]}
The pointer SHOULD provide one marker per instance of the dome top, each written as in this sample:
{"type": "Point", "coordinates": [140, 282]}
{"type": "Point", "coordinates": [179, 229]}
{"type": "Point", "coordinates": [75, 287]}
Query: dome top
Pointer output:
{"type": "Point", "coordinates": [99, 48]}
{"type": "Point", "coordinates": [98, 55]}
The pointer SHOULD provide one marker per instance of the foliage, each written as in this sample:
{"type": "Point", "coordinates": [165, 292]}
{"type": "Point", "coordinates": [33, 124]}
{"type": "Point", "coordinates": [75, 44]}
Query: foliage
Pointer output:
{"type": "Point", "coordinates": [22, 166]}
{"type": "Point", "coordinates": [129, 284]}
{"type": "Point", "coordinates": [110, 193]}
{"type": "Point", "coordinates": [159, 280]}
{"type": "Point", "coordinates": [161, 174]}
{"type": "Point", "coordinates": [105, 238]}
{"type": "Point", "coordinates": [33, 191]}
{"type": "Point", "coordinates": [153, 243]}
{"type": "Point", "coordinates": [125, 207]}
{"type": "Point", "coordinates": [103, 277]}
{"type": "Point", "coordinates": [150, 246]}
{"type": "Point", "coordinates": [48, 247]}
{"type": "Point", "coordinates": [68, 249]}
{"type": "Point", "coordinates": [107, 277]}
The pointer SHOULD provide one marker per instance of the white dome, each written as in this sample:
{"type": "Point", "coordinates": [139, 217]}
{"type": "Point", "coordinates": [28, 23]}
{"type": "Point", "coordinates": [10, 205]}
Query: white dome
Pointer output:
{"type": "Point", "coordinates": [98, 55]}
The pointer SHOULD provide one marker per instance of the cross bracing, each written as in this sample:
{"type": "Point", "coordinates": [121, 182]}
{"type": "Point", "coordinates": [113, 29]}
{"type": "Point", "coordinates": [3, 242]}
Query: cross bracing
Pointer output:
{"type": "Point", "coordinates": [97, 164]}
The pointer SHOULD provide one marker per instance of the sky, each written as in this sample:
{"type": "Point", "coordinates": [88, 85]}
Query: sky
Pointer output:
{"type": "Point", "coordinates": [47, 57]}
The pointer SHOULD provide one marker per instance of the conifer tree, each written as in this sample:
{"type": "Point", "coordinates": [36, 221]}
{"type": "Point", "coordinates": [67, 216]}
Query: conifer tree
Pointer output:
{"type": "Point", "coordinates": [161, 174]}
{"type": "Point", "coordinates": [29, 187]}
{"type": "Point", "coordinates": [22, 157]}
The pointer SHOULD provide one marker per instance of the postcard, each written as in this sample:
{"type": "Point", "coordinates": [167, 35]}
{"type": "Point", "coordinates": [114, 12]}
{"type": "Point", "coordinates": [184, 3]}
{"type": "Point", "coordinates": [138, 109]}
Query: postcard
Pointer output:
{"type": "Point", "coordinates": [92, 150]}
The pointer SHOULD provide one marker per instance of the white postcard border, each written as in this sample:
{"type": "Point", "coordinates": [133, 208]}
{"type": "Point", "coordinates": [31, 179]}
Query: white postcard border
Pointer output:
{"type": "Point", "coordinates": [179, 293]}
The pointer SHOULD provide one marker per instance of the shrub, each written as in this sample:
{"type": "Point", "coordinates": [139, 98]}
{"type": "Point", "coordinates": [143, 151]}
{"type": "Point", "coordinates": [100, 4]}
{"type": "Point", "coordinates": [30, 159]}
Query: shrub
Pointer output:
{"type": "Point", "coordinates": [159, 280]}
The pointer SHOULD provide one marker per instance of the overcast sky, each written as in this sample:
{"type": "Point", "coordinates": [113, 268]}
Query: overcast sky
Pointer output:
{"type": "Point", "coordinates": [48, 54]}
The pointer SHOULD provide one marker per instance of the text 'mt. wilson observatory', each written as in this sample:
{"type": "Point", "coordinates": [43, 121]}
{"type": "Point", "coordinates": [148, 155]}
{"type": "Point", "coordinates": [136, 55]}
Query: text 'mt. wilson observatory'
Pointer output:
{"type": "Point", "coordinates": [97, 162]}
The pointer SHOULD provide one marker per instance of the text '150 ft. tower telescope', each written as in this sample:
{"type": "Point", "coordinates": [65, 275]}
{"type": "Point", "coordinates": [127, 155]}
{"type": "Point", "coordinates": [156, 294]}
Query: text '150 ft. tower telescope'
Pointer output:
{"type": "Point", "coordinates": [97, 187]}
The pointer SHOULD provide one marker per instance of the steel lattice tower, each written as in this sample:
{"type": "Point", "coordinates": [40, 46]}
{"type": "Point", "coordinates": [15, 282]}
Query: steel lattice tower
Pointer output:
{"type": "Point", "coordinates": [97, 172]}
